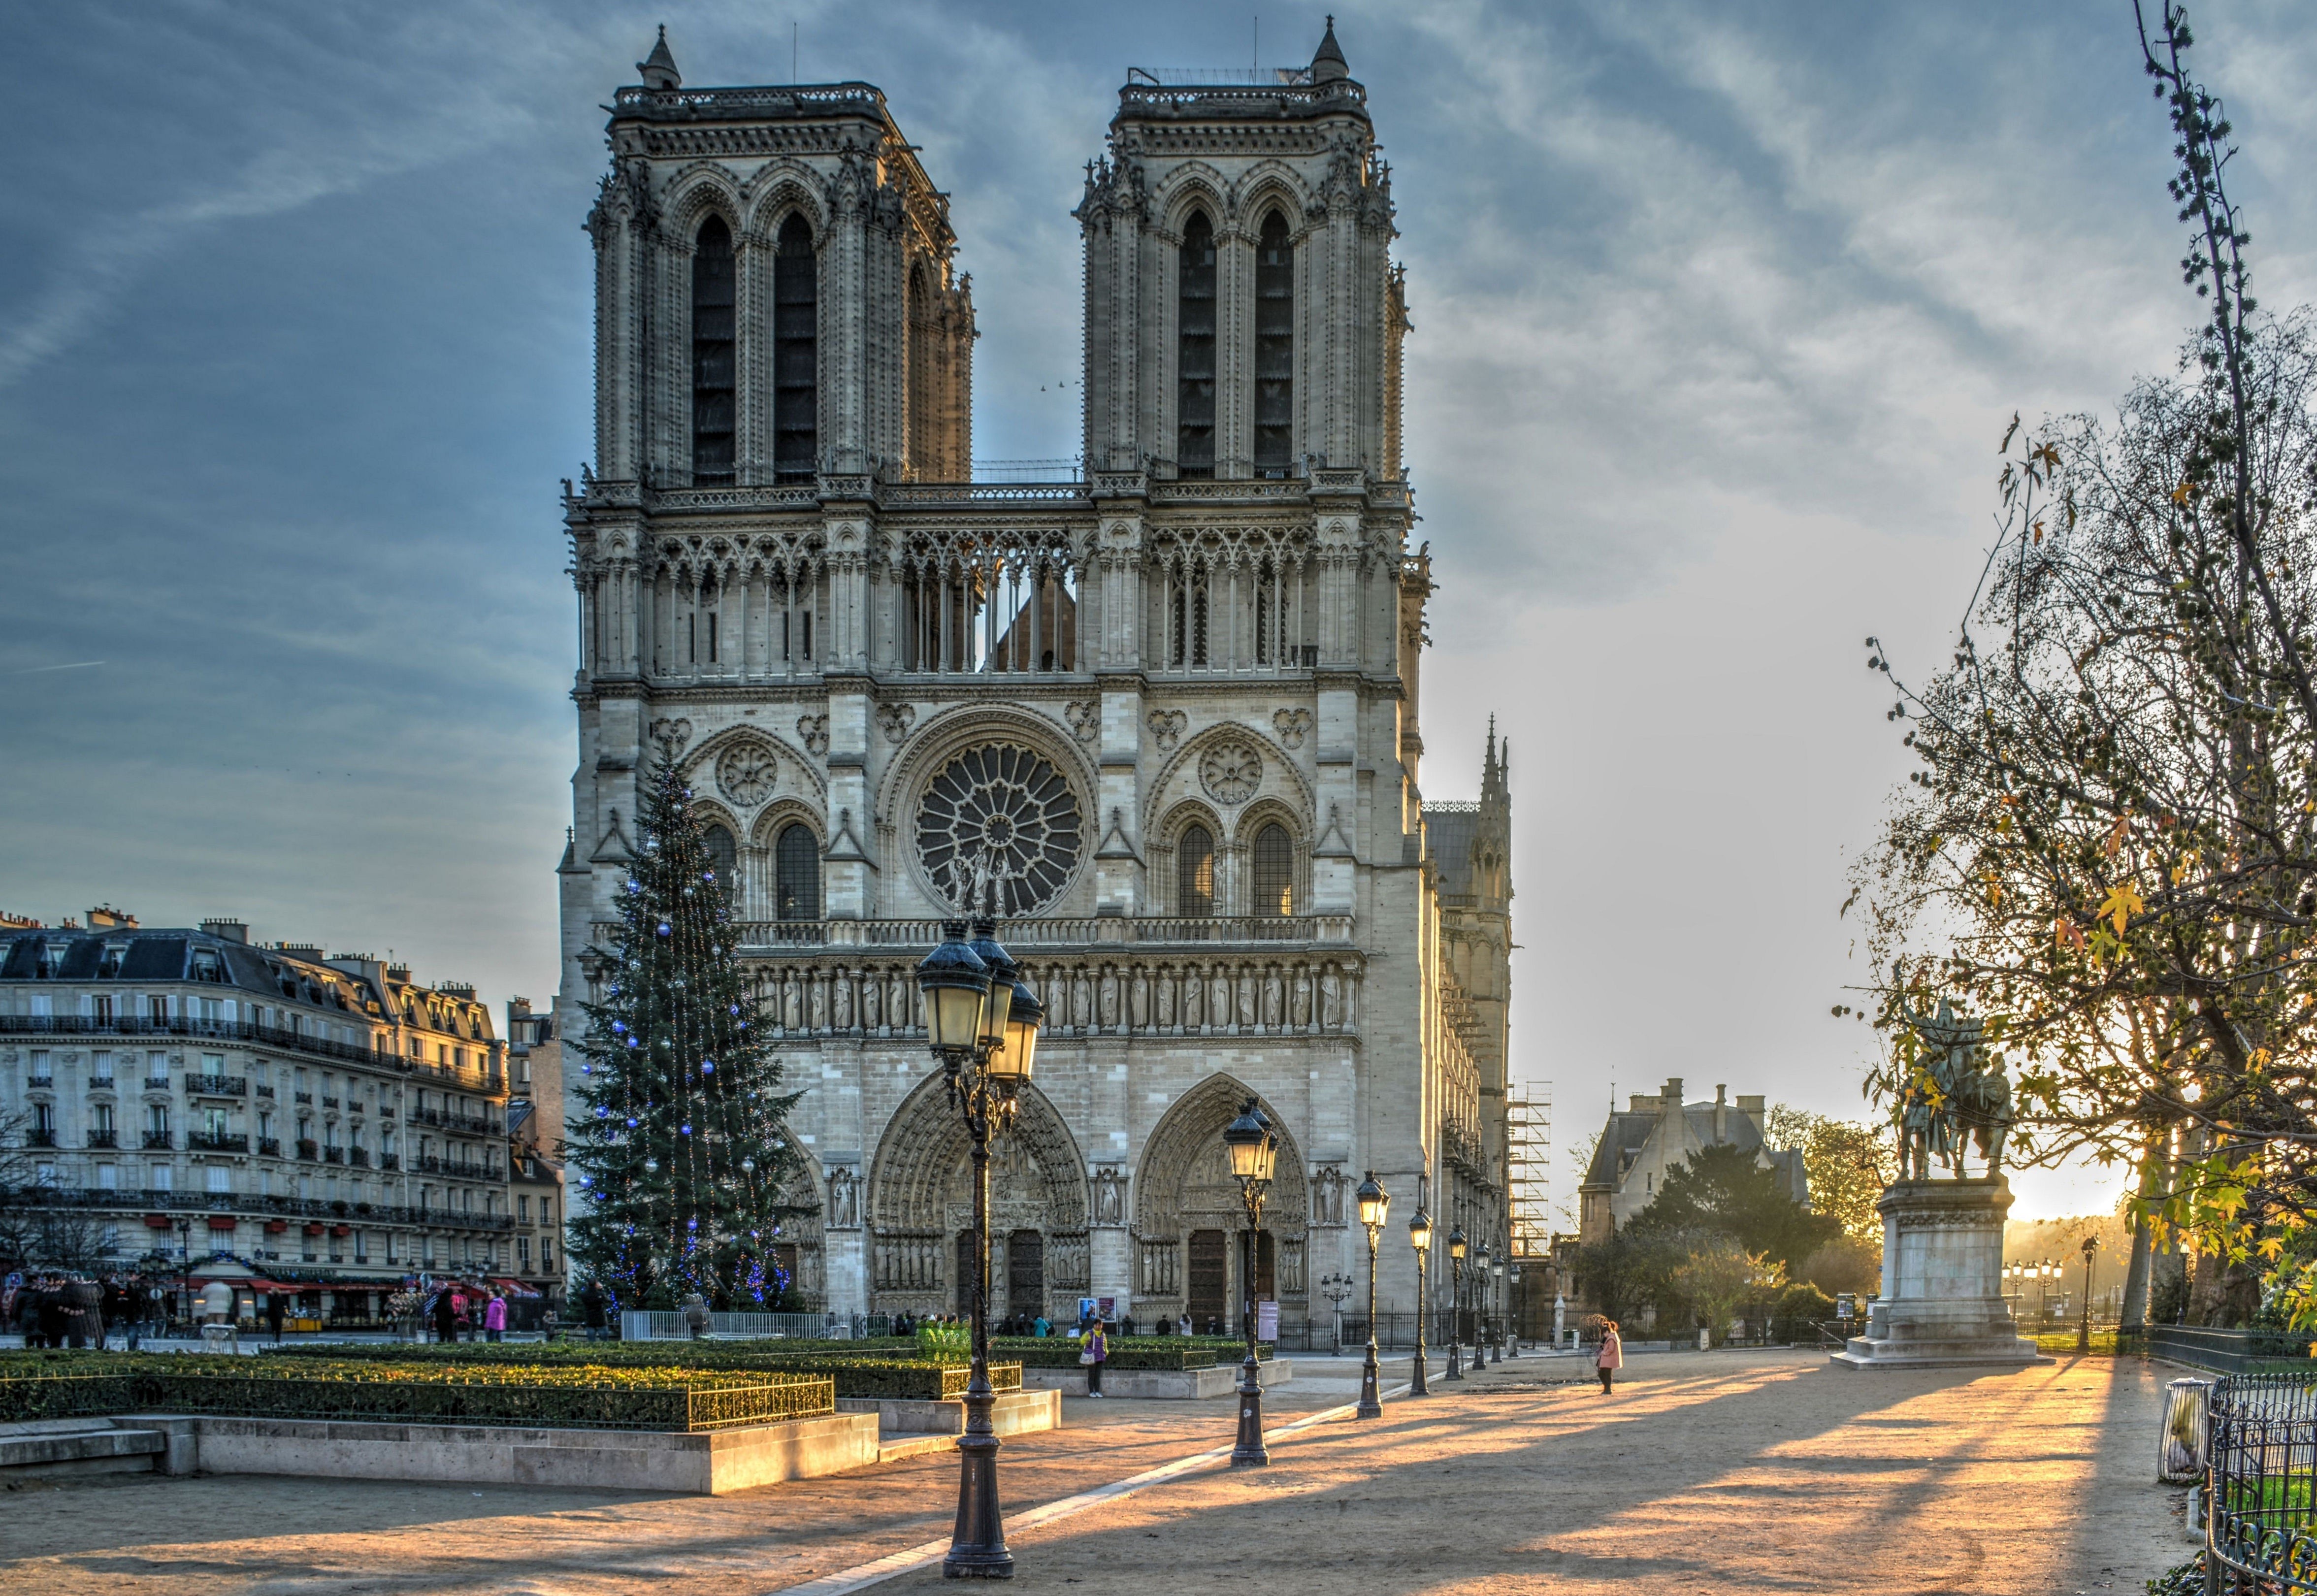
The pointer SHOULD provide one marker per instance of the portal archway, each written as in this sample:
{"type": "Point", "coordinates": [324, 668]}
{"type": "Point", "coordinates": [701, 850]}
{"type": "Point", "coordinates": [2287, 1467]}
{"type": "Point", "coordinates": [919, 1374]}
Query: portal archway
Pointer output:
{"type": "Point", "coordinates": [1188, 1216]}
{"type": "Point", "coordinates": [921, 1209]}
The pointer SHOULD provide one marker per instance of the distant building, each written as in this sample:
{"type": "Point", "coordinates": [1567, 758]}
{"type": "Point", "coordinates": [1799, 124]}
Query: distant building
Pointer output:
{"type": "Point", "coordinates": [1640, 1146]}
{"type": "Point", "coordinates": [535, 1148]}
{"type": "Point", "coordinates": [252, 1113]}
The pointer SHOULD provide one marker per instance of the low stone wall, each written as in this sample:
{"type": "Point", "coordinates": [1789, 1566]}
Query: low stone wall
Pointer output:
{"type": "Point", "coordinates": [1011, 1413]}
{"type": "Point", "coordinates": [711, 1463]}
{"type": "Point", "coordinates": [1184, 1385]}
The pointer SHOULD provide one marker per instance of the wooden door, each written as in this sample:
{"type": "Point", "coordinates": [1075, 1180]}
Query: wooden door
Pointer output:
{"type": "Point", "coordinates": [1025, 1273]}
{"type": "Point", "coordinates": [1209, 1294]}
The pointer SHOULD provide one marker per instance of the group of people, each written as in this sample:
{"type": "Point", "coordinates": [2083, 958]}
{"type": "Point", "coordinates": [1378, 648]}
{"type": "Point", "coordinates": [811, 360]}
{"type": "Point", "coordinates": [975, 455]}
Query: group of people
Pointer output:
{"type": "Point", "coordinates": [461, 1311]}
{"type": "Point", "coordinates": [62, 1309]}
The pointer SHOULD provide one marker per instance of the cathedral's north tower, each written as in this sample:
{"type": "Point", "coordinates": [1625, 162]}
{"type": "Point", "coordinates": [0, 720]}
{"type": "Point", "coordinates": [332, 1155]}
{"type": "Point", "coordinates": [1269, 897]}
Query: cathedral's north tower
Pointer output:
{"type": "Point", "coordinates": [1242, 317]}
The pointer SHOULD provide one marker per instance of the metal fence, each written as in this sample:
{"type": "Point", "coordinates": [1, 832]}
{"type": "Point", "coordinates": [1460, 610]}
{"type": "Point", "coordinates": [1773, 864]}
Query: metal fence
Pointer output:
{"type": "Point", "coordinates": [2260, 1476]}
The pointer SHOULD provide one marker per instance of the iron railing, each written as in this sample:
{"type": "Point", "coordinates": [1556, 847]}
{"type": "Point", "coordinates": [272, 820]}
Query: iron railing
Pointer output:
{"type": "Point", "coordinates": [2261, 1477]}
{"type": "Point", "coordinates": [222, 1030]}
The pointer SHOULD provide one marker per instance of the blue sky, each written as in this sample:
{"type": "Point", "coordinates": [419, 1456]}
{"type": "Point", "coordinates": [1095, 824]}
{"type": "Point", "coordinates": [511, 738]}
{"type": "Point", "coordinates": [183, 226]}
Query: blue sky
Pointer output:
{"type": "Point", "coordinates": [1720, 311]}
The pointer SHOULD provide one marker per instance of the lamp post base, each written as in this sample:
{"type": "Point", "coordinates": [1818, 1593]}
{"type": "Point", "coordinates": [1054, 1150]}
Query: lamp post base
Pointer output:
{"type": "Point", "coordinates": [1455, 1361]}
{"type": "Point", "coordinates": [1250, 1451]}
{"type": "Point", "coordinates": [1370, 1401]}
{"type": "Point", "coordinates": [976, 1547]}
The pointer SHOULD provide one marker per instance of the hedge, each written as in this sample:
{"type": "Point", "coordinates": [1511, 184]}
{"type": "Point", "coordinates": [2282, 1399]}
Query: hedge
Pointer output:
{"type": "Point", "coordinates": [574, 1396]}
{"type": "Point", "coordinates": [1135, 1352]}
{"type": "Point", "coordinates": [889, 1379]}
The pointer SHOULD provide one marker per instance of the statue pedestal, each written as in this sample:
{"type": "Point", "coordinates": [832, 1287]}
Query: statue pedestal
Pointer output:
{"type": "Point", "coordinates": [1941, 1304]}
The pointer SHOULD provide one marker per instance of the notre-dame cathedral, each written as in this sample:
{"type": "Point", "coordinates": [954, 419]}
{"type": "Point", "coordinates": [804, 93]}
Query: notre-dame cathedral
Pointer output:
{"type": "Point", "coordinates": [1169, 706]}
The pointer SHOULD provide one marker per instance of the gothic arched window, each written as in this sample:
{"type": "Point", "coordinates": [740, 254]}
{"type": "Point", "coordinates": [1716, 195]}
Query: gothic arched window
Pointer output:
{"type": "Point", "coordinates": [796, 872]}
{"type": "Point", "coordinates": [796, 388]}
{"type": "Point", "coordinates": [723, 857]}
{"type": "Point", "coordinates": [1275, 872]}
{"type": "Point", "coordinates": [1195, 872]}
{"type": "Point", "coordinates": [712, 355]}
{"type": "Point", "coordinates": [1274, 348]}
{"type": "Point", "coordinates": [1195, 403]}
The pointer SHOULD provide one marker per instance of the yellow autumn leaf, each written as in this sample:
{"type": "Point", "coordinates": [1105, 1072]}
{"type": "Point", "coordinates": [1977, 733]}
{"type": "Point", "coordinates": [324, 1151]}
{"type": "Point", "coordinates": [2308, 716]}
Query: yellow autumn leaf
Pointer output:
{"type": "Point", "coordinates": [2122, 903]}
{"type": "Point", "coordinates": [2181, 494]}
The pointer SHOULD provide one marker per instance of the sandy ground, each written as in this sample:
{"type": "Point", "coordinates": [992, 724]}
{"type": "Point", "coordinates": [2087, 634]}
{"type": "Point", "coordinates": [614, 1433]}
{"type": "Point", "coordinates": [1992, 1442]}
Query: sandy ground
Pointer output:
{"type": "Point", "coordinates": [1704, 1473]}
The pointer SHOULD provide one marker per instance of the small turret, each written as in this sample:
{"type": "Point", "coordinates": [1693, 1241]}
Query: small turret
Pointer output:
{"type": "Point", "coordinates": [1328, 63]}
{"type": "Point", "coordinates": [659, 67]}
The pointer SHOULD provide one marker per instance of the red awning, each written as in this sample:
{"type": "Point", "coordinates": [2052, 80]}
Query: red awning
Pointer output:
{"type": "Point", "coordinates": [157, 1221]}
{"type": "Point", "coordinates": [221, 1222]}
{"type": "Point", "coordinates": [516, 1287]}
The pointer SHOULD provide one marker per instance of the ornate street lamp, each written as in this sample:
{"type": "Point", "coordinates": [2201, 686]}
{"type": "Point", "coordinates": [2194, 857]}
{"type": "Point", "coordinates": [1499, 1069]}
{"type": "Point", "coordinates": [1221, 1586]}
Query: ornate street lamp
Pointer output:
{"type": "Point", "coordinates": [1375, 1202]}
{"type": "Point", "coordinates": [2084, 1325]}
{"type": "Point", "coordinates": [1419, 1233]}
{"type": "Point", "coordinates": [1336, 1288]}
{"type": "Point", "coordinates": [1254, 1151]}
{"type": "Point", "coordinates": [1497, 1288]}
{"type": "Point", "coordinates": [1513, 1318]}
{"type": "Point", "coordinates": [1455, 1304]}
{"type": "Point", "coordinates": [983, 1028]}
{"type": "Point", "coordinates": [1480, 1308]}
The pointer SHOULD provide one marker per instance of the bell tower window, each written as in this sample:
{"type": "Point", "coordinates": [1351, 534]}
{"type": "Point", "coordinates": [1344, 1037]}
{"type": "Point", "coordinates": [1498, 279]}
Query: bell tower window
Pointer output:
{"type": "Point", "coordinates": [1275, 349]}
{"type": "Point", "coordinates": [1194, 404]}
{"type": "Point", "coordinates": [796, 872]}
{"type": "Point", "coordinates": [1274, 872]}
{"type": "Point", "coordinates": [796, 386]}
{"type": "Point", "coordinates": [1195, 872]}
{"type": "Point", "coordinates": [712, 355]}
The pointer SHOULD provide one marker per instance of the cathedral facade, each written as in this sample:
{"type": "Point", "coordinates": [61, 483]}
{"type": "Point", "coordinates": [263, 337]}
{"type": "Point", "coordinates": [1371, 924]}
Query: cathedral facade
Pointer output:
{"type": "Point", "coordinates": [1166, 710]}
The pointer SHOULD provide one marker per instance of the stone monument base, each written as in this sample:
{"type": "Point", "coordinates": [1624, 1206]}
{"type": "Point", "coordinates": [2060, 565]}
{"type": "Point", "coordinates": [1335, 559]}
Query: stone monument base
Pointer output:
{"type": "Point", "coordinates": [1941, 1304]}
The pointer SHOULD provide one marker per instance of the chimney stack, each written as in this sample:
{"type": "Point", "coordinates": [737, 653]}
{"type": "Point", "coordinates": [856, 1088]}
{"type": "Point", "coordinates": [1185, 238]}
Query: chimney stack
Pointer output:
{"type": "Point", "coordinates": [1671, 1103]}
{"type": "Point", "coordinates": [1721, 1113]}
{"type": "Point", "coordinates": [227, 930]}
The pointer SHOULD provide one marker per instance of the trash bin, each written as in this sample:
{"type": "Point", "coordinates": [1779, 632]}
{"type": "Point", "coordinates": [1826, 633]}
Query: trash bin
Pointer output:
{"type": "Point", "coordinates": [2188, 1424]}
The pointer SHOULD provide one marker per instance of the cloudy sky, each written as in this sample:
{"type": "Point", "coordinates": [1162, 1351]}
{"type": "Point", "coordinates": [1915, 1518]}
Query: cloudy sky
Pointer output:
{"type": "Point", "coordinates": [1719, 311]}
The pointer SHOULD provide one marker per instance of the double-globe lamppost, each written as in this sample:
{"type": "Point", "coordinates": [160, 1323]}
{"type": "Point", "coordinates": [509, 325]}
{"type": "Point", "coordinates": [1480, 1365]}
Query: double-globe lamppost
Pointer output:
{"type": "Point", "coordinates": [1254, 1151]}
{"type": "Point", "coordinates": [1504, 1313]}
{"type": "Point", "coordinates": [1483, 1301]}
{"type": "Point", "coordinates": [1376, 1203]}
{"type": "Point", "coordinates": [982, 1025]}
{"type": "Point", "coordinates": [1455, 1304]}
{"type": "Point", "coordinates": [1419, 1235]}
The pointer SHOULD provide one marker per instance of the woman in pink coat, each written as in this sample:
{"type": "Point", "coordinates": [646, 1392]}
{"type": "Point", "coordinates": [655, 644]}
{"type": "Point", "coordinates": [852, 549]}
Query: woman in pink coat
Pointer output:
{"type": "Point", "coordinates": [495, 1318]}
{"type": "Point", "coordinates": [1612, 1356]}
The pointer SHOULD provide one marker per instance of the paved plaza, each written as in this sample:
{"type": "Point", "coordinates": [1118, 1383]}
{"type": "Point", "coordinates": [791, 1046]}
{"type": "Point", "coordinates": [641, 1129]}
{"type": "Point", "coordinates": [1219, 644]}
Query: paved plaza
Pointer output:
{"type": "Point", "coordinates": [1718, 1472]}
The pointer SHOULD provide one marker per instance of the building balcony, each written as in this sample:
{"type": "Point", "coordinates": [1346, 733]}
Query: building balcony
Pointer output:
{"type": "Point", "coordinates": [309, 1149]}
{"type": "Point", "coordinates": [100, 1083]}
{"type": "Point", "coordinates": [329, 1102]}
{"type": "Point", "coordinates": [159, 1141]}
{"type": "Point", "coordinates": [301, 1096]}
{"type": "Point", "coordinates": [217, 1086]}
{"type": "Point", "coordinates": [156, 1083]}
{"type": "Point", "coordinates": [334, 1155]}
{"type": "Point", "coordinates": [269, 1146]}
{"type": "Point", "coordinates": [473, 1125]}
{"type": "Point", "coordinates": [39, 1082]}
{"type": "Point", "coordinates": [1058, 931]}
{"type": "Point", "coordinates": [216, 1142]}
{"type": "Point", "coordinates": [219, 1030]}
{"type": "Point", "coordinates": [104, 1138]}
{"type": "Point", "coordinates": [359, 1157]}
{"type": "Point", "coordinates": [264, 1091]}
{"type": "Point", "coordinates": [37, 1137]}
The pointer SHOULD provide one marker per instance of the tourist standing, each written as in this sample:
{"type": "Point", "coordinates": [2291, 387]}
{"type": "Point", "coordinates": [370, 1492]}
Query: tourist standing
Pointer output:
{"type": "Point", "coordinates": [1093, 1352]}
{"type": "Point", "coordinates": [495, 1318]}
{"type": "Point", "coordinates": [1612, 1357]}
{"type": "Point", "coordinates": [1183, 1323]}
{"type": "Point", "coordinates": [446, 1314]}
{"type": "Point", "coordinates": [276, 1309]}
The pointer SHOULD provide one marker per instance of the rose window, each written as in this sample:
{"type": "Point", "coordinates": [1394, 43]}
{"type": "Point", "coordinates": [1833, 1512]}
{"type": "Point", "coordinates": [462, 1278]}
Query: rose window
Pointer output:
{"type": "Point", "coordinates": [747, 773]}
{"type": "Point", "coordinates": [1230, 772]}
{"type": "Point", "coordinates": [1000, 819]}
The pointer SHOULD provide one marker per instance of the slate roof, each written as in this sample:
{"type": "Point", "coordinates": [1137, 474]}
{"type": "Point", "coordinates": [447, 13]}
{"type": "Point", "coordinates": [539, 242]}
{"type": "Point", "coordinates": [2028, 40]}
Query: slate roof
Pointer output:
{"type": "Point", "coordinates": [1448, 833]}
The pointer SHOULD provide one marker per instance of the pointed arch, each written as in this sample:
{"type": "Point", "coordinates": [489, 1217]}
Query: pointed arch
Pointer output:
{"type": "Point", "coordinates": [1187, 1204]}
{"type": "Point", "coordinates": [1275, 343]}
{"type": "Point", "coordinates": [796, 362]}
{"type": "Point", "coordinates": [1196, 285]}
{"type": "Point", "coordinates": [715, 303]}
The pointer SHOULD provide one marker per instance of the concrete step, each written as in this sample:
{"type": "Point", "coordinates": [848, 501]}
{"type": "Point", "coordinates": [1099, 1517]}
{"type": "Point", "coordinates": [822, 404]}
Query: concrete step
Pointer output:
{"type": "Point", "coordinates": [77, 1446]}
{"type": "Point", "coordinates": [895, 1445]}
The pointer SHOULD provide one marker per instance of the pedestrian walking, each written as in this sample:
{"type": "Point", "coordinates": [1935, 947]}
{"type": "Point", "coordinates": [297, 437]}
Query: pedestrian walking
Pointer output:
{"type": "Point", "coordinates": [277, 1307]}
{"type": "Point", "coordinates": [1612, 1357]}
{"type": "Point", "coordinates": [1093, 1351]}
{"type": "Point", "coordinates": [495, 1317]}
{"type": "Point", "coordinates": [446, 1315]}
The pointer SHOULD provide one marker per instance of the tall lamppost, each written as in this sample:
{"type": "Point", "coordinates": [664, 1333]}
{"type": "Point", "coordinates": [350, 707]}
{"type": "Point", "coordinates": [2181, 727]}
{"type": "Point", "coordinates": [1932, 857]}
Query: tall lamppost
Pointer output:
{"type": "Point", "coordinates": [1480, 1308]}
{"type": "Point", "coordinates": [1336, 1288]}
{"type": "Point", "coordinates": [1455, 1304]}
{"type": "Point", "coordinates": [1503, 1318]}
{"type": "Point", "coordinates": [1419, 1233]}
{"type": "Point", "coordinates": [983, 1028]}
{"type": "Point", "coordinates": [2084, 1325]}
{"type": "Point", "coordinates": [1254, 1151]}
{"type": "Point", "coordinates": [1375, 1202]}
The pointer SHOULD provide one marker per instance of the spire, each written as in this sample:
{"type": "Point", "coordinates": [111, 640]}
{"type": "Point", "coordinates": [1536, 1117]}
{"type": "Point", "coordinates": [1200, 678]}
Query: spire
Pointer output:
{"type": "Point", "coordinates": [1328, 63]}
{"type": "Point", "coordinates": [659, 67]}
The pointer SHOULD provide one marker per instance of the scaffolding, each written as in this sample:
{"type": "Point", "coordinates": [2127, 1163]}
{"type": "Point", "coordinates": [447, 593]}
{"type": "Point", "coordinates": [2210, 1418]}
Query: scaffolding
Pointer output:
{"type": "Point", "coordinates": [1528, 1146]}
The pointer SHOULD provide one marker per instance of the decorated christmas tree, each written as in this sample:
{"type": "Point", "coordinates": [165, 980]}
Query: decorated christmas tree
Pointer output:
{"type": "Point", "coordinates": [680, 1140]}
